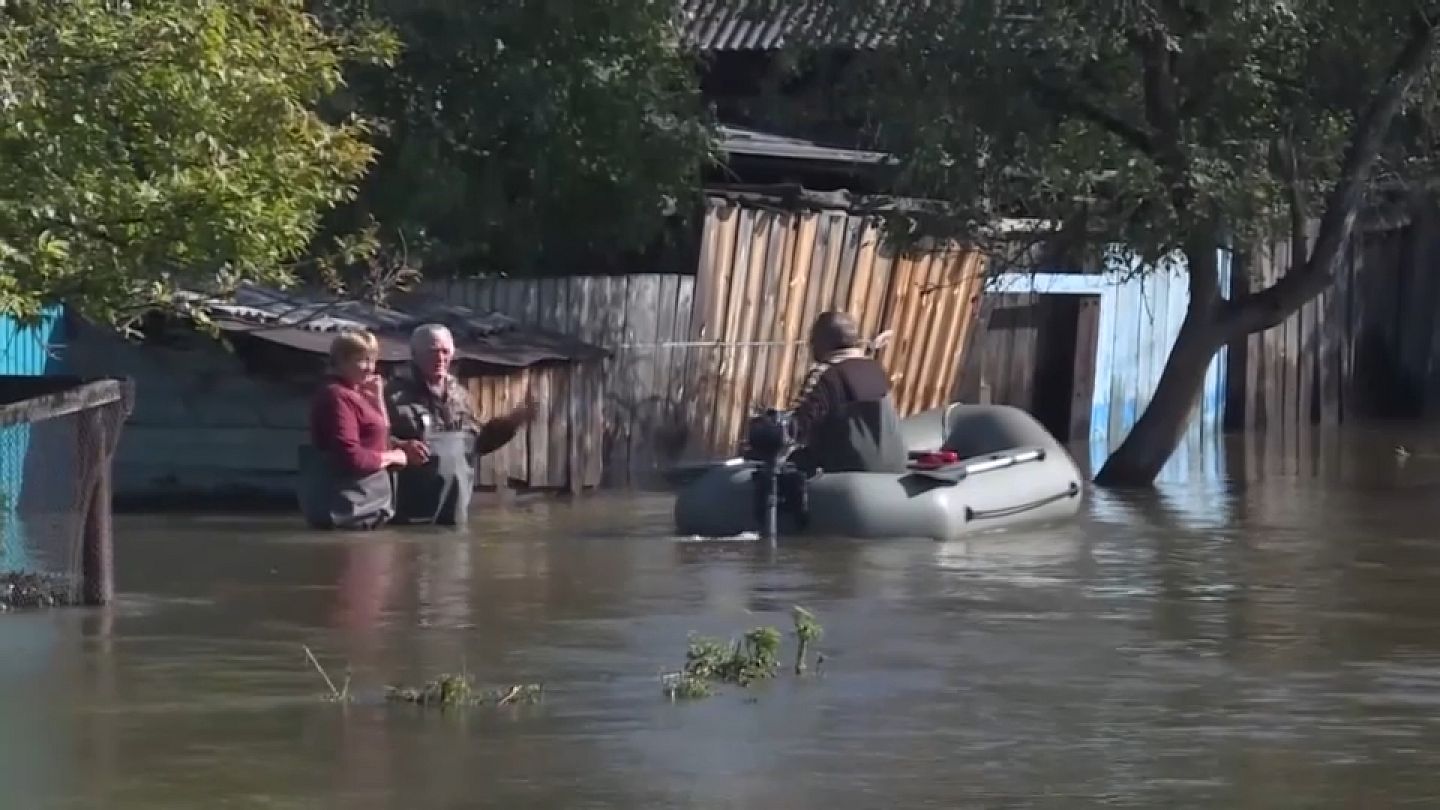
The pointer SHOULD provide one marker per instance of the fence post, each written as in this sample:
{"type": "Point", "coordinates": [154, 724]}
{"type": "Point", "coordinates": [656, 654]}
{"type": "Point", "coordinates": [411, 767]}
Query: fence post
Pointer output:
{"type": "Point", "coordinates": [99, 437]}
{"type": "Point", "coordinates": [97, 585]}
{"type": "Point", "coordinates": [98, 552]}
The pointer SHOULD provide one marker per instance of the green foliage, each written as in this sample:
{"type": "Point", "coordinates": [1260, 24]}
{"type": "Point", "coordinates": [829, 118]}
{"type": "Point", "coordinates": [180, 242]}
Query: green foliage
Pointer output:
{"type": "Point", "coordinates": [743, 661]}
{"type": "Point", "coordinates": [752, 658]}
{"type": "Point", "coordinates": [807, 631]}
{"type": "Point", "coordinates": [1152, 123]}
{"type": "Point", "coordinates": [163, 143]}
{"type": "Point", "coordinates": [528, 136]}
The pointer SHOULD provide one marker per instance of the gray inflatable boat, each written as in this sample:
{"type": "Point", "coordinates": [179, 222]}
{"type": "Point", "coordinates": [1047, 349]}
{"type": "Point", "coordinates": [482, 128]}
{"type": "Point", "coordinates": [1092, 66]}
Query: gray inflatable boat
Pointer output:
{"type": "Point", "coordinates": [1011, 473]}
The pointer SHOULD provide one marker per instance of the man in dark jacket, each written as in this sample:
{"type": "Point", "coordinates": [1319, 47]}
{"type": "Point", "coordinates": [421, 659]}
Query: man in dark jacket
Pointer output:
{"type": "Point", "coordinates": [433, 407]}
{"type": "Point", "coordinates": [844, 416]}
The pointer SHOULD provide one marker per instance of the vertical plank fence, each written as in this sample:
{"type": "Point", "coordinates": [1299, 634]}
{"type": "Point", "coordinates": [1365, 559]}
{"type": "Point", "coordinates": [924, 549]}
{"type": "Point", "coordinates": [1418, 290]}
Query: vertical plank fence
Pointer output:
{"type": "Point", "coordinates": [692, 353]}
{"type": "Point", "coordinates": [1366, 347]}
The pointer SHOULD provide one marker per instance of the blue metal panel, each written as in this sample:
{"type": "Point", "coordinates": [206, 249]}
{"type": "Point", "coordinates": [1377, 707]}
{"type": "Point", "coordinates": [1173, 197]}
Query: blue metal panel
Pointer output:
{"type": "Point", "coordinates": [1104, 362]}
{"type": "Point", "coordinates": [1154, 307]}
{"type": "Point", "coordinates": [24, 352]}
{"type": "Point", "coordinates": [1123, 374]}
{"type": "Point", "coordinates": [1140, 319]}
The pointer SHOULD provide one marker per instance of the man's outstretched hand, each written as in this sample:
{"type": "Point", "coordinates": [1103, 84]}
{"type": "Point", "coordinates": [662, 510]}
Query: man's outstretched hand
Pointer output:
{"type": "Point", "coordinates": [525, 412]}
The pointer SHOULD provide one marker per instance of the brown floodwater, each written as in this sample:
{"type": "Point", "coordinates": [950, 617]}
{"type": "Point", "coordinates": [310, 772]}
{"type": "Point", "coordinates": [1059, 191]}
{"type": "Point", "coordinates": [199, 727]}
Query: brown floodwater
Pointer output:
{"type": "Point", "coordinates": [1261, 632]}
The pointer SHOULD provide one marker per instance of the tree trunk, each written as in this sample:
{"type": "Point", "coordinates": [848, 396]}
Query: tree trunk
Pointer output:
{"type": "Point", "coordinates": [1156, 434]}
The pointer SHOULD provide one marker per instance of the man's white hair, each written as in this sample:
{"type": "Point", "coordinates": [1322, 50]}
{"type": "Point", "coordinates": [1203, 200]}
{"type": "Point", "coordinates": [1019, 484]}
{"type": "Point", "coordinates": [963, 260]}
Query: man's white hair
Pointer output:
{"type": "Point", "coordinates": [426, 334]}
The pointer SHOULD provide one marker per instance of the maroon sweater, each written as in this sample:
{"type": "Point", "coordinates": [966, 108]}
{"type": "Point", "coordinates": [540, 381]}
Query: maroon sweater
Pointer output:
{"type": "Point", "coordinates": [348, 428]}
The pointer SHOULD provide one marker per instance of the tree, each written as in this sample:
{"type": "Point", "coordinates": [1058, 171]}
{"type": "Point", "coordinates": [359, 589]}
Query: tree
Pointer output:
{"type": "Point", "coordinates": [1155, 128]}
{"type": "Point", "coordinates": [153, 145]}
{"type": "Point", "coordinates": [531, 136]}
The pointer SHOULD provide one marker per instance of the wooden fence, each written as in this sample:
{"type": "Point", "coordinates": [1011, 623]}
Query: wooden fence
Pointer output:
{"type": "Point", "coordinates": [1366, 347]}
{"type": "Point", "coordinates": [692, 353]}
{"type": "Point", "coordinates": [596, 416]}
{"type": "Point", "coordinates": [764, 274]}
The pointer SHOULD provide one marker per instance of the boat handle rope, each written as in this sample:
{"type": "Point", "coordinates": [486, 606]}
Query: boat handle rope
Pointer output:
{"type": "Point", "coordinates": [972, 514]}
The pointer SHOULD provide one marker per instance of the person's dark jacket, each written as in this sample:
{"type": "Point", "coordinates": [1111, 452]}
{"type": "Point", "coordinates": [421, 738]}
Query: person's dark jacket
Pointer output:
{"type": "Point", "coordinates": [847, 421]}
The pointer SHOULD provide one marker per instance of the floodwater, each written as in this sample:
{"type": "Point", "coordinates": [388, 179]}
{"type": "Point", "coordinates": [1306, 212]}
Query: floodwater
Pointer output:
{"type": "Point", "coordinates": [1262, 632]}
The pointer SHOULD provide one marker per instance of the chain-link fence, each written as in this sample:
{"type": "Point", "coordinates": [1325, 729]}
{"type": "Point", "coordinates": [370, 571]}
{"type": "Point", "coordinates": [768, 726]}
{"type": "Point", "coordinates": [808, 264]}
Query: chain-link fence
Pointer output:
{"type": "Point", "coordinates": [57, 442]}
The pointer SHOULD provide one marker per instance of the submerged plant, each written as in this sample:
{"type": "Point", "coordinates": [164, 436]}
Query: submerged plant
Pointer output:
{"type": "Point", "coordinates": [337, 695]}
{"type": "Point", "coordinates": [761, 656]}
{"type": "Point", "coordinates": [450, 690]}
{"type": "Point", "coordinates": [807, 632]}
{"type": "Point", "coordinates": [444, 691]}
{"type": "Point", "coordinates": [22, 589]}
{"type": "Point", "coordinates": [754, 656]}
{"type": "Point", "coordinates": [684, 686]}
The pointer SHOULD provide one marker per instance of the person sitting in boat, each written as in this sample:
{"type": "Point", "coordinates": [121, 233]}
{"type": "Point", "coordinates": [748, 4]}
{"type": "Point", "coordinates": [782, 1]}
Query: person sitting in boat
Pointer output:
{"type": "Point", "coordinates": [345, 479]}
{"type": "Point", "coordinates": [843, 416]}
{"type": "Point", "coordinates": [433, 407]}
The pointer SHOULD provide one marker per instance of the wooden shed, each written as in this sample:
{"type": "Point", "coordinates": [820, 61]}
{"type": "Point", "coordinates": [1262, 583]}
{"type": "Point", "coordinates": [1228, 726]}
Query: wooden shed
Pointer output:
{"type": "Point", "coordinates": [220, 421]}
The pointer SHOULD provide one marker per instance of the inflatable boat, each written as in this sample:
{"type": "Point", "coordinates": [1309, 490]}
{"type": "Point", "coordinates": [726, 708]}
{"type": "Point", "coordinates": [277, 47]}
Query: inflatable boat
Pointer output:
{"type": "Point", "coordinates": [973, 468]}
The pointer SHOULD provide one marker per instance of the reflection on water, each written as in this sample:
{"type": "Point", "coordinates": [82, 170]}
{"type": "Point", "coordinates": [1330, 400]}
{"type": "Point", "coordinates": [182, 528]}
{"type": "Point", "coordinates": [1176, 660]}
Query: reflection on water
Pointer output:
{"type": "Point", "coordinates": [1261, 632]}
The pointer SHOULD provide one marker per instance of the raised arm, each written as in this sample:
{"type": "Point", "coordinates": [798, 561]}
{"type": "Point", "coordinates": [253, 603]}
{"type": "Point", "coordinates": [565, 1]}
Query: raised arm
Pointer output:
{"type": "Point", "coordinates": [497, 432]}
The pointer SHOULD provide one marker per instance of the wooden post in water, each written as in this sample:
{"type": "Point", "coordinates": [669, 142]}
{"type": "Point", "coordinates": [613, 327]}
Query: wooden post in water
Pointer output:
{"type": "Point", "coordinates": [98, 549]}
{"type": "Point", "coordinates": [97, 555]}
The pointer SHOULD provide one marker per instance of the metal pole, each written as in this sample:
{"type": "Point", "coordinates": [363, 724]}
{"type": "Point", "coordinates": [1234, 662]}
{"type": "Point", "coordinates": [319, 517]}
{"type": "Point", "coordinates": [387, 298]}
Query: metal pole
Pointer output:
{"type": "Point", "coordinates": [770, 527]}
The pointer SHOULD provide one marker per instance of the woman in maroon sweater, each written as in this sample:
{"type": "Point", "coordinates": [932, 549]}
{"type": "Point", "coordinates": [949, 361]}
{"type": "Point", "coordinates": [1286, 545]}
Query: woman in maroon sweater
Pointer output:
{"type": "Point", "coordinates": [347, 481]}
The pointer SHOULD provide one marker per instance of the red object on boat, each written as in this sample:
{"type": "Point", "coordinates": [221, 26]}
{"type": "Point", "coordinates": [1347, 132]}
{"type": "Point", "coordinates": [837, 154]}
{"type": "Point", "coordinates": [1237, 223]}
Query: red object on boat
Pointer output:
{"type": "Point", "coordinates": [930, 461]}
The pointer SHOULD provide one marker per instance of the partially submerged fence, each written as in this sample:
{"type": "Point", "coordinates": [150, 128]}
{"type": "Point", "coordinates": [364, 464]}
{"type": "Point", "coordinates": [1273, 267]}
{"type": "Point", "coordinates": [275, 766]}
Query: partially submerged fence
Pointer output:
{"type": "Point", "coordinates": [55, 504]}
{"type": "Point", "coordinates": [693, 353]}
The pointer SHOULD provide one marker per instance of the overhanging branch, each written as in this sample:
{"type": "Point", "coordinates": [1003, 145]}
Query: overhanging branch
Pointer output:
{"type": "Point", "coordinates": [1302, 282]}
{"type": "Point", "coordinates": [1064, 100]}
{"type": "Point", "coordinates": [1162, 112]}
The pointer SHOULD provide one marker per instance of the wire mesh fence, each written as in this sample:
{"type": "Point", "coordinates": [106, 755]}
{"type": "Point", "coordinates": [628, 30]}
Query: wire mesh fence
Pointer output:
{"type": "Point", "coordinates": [56, 448]}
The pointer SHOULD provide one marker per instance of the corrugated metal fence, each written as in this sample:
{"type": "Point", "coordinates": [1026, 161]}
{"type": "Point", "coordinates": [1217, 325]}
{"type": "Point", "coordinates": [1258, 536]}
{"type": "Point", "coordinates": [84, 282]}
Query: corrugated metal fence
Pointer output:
{"type": "Point", "coordinates": [24, 351]}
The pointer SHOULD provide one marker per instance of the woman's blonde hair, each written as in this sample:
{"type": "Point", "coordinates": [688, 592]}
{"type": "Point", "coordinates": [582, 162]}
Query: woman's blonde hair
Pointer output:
{"type": "Point", "coordinates": [349, 345]}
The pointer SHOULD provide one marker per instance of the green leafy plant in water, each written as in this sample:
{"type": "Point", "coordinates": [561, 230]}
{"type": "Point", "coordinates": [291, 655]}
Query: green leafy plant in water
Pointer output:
{"type": "Point", "coordinates": [807, 631]}
{"type": "Point", "coordinates": [683, 686]}
{"type": "Point", "coordinates": [755, 656]}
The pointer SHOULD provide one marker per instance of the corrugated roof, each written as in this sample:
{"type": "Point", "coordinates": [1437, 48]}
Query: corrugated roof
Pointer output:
{"type": "Point", "coordinates": [742, 141]}
{"type": "Point", "coordinates": [309, 324]}
{"type": "Point", "coordinates": [765, 25]}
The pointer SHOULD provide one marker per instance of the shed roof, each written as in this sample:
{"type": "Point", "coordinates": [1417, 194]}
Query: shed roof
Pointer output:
{"type": "Point", "coordinates": [310, 323]}
{"type": "Point", "coordinates": [767, 25]}
{"type": "Point", "coordinates": [742, 141]}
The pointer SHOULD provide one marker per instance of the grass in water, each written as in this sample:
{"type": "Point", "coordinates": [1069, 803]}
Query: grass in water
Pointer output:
{"type": "Point", "coordinates": [446, 691]}
{"type": "Point", "coordinates": [449, 690]}
{"type": "Point", "coordinates": [26, 590]}
{"type": "Point", "coordinates": [337, 695]}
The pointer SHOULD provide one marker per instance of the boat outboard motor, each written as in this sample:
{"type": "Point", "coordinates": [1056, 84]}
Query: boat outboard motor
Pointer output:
{"type": "Point", "coordinates": [777, 483]}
